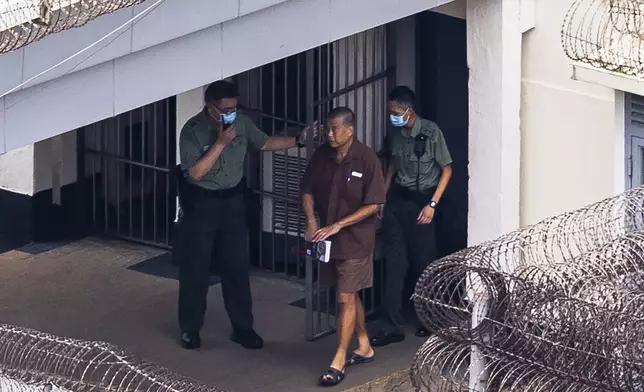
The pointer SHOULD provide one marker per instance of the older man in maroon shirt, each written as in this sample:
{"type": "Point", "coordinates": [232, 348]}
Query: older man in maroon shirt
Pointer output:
{"type": "Point", "coordinates": [344, 183]}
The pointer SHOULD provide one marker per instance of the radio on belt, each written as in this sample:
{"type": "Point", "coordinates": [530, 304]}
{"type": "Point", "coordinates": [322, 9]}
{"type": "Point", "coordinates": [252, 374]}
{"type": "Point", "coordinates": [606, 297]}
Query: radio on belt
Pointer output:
{"type": "Point", "coordinates": [319, 250]}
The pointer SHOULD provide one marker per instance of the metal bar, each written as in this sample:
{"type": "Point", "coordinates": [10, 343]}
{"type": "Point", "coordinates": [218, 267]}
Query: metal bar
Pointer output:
{"type": "Point", "coordinates": [365, 110]}
{"type": "Point", "coordinates": [346, 69]}
{"type": "Point", "coordinates": [105, 170]}
{"type": "Point", "coordinates": [130, 177]}
{"type": "Point", "coordinates": [308, 268]}
{"type": "Point", "coordinates": [286, 168]}
{"type": "Point", "coordinates": [345, 90]}
{"type": "Point", "coordinates": [118, 175]}
{"type": "Point", "coordinates": [143, 172]}
{"type": "Point", "coordinates": [94, 178]}
{"type": "Point", "coordinates": [259, 112]}
{"type": "Point", "coordinates": [273, 156]}
{"type": "Point", "coordinates": [125, 160]}
{"type": "Point", "coordinates": [298, 114]}
{"type": "Point", "coordinates": [261, 173]}
{"type": "Point", "coordinates": [169, 201]}
{"type": "Point", "coordinates": [81, 186]}
{"type": "Point", "coordinates": [356, 66]}
{"type": "Point", "coordinates": [154, 174]}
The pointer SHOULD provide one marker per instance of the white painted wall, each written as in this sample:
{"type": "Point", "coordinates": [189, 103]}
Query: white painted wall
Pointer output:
{"type": "Point", "coordinates": [188, 104]}
{"type": "Point", "coordinates": [209, 40]}
{"type": "Point", "coordinates": [568, 128]}
{"type": "Point", "coordinates": [17, 170]}
{"type": "Point", "coordinates": [456, 9]}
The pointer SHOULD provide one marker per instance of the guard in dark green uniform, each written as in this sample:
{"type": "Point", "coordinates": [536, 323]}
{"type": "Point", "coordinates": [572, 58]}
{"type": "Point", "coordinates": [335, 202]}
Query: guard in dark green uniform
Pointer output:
{"type": "Point", "coordinates": [420, 169]}
{"type": "Point", "coordinates": [213, 147]}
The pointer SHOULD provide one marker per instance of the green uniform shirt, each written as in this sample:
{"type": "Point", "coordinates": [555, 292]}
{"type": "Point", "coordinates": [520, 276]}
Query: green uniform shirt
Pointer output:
{"type": "Point", "coordinates": [200, 133]}
{"type": "Point", "coordinates": [401, 145]}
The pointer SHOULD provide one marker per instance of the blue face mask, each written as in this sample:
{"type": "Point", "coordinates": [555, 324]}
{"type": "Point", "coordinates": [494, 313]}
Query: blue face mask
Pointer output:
{"type": "Point", "coordinates": [228, 118]}
{"type": "Point", "coordinates": [399, 121]}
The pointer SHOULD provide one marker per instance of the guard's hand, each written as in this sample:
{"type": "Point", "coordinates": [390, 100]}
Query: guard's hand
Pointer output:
{"type": "Point", "coordinates": [326, 232]}
{"type": "Point", "coordinates": [426, 216]}
{"type": "Point", "coordinates": [380, 212]}
{"type": "Point", "coordinates": [305, 132]}
{"type": "Point", "coordinates": [311, 228]}
{"type": "Point", "coordinates": [227, 136]}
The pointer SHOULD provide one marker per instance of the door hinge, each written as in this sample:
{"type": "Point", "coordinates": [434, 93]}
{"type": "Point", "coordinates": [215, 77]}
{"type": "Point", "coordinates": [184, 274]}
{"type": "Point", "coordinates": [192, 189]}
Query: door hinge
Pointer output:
{"type": "Point", "coordinates": [629, 167]}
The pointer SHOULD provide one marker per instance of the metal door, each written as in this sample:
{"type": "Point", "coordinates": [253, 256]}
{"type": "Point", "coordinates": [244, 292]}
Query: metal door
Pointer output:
{"type": "Point", "coordinates": [125, 170]}
{"type": "Point", "coordinates": [283, 97]}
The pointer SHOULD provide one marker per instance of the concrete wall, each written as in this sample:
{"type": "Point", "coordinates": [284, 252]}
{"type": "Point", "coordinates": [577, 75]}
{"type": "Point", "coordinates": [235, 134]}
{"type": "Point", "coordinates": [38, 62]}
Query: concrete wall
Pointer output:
{"type": "Point", "coordinates": [570, 142]}
{"type": "Point", "coordinates": [17, 171]}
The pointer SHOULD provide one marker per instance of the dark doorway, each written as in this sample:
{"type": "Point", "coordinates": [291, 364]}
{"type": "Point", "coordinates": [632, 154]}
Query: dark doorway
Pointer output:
{"type": "Point", "coordinates": [442, 87]}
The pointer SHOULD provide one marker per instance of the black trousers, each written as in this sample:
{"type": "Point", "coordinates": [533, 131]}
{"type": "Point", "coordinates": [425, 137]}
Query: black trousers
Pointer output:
{"type": "Point", "coordinates": [409, 248]}
{"type": "Point", "coordinates": [216, 218]}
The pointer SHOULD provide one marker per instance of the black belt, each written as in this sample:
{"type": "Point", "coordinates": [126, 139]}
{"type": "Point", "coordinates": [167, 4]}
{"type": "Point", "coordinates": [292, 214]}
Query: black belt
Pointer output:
{"type": "Point", "coordinates": [216, 193]}
{"type": "Point", "coordinates": [420, 197]}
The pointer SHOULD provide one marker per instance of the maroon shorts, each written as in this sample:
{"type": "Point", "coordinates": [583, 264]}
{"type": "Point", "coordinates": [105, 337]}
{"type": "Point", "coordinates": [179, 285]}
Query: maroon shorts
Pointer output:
{"type": "Point", "coordinates": [348, 276]}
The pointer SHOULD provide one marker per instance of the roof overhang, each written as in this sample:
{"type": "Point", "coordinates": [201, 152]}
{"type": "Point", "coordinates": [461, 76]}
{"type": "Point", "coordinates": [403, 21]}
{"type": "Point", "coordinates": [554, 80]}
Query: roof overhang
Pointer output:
{"type": "Point", "coordinates": [23, 22]}
{"type": "Point", "coordinates": [614, 80]}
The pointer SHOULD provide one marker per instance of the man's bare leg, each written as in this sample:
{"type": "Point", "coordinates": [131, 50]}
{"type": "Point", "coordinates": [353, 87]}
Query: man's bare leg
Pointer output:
{"type": "Point", "coordinates": [346, 327]}
{"type": "Point", "coordinates": [364, 347]}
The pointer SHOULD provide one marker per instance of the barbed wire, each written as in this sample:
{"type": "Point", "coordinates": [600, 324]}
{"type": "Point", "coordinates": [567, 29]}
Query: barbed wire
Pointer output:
{"type": "Point", "coordinates": [23, 22]}
{"type": "Point", "coordinates": [557, 306]}
{"type": "Point", "coordinates": [606, 34]}
{"type": "Point", "coordinates": [32, 361]}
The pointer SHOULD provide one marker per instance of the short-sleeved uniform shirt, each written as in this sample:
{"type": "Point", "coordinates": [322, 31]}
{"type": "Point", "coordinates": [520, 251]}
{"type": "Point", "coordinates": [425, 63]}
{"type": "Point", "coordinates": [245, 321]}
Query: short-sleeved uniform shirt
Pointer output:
{"type": "Point", "coordinates": [200, 133]}
{"type": "Point", "coordinates": [401, 145]}
{"type": "Point", "coordinates": [340, 189]}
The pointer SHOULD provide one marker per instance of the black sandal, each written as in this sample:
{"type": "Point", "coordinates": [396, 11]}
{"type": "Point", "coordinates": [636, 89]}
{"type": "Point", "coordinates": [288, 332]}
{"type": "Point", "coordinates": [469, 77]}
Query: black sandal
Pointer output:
{"type": "Point", "coordinates": [357, 359]}
{"type": "Point", "coordinates": [336, 377]}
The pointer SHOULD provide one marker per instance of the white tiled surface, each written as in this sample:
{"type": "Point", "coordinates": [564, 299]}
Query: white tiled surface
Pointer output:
{"type": "Point", "coordinates": [347, 17]}
{"type": "Point", "coordinates": [274, 33]}
{"type": "Point", "coordinates": [54, 48]}
{"type": "Point", "coordinates": [249, 6]}
{"type": "Point", "coordinates": [174, 18]}
{"type": "Point", "coordinates": [56, 107]}
{"type": "Point", "coordinates": [126, 81]}
{"type": "Point", "coordinates": [167, 69]}
{"type": "Point", "coordinates": [10, 70]}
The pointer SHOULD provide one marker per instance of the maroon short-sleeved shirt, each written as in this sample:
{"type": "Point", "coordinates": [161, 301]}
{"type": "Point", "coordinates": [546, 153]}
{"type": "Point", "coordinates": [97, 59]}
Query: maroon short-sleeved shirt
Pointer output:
{"type": "Point", "coordinates": [340, 189]}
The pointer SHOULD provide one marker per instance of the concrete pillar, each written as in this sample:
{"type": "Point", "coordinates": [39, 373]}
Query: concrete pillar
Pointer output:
{"type": "Point", "coordinates": [494, 59]}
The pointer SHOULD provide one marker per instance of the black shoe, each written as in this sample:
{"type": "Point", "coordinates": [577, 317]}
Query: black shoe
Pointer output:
{"type": "Point", "coordinates": [422, 333]}
{"type": "Point", "coordinates": [248, 339]}
{"type": "Point", "coordinates": [190, 340]}
{"type": "Point", "coordinates": [386, 338]}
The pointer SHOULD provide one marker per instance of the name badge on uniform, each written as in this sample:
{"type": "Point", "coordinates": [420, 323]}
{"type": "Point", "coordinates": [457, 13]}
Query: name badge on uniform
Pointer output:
{"type": "Point", "coordinates": [356, 174]}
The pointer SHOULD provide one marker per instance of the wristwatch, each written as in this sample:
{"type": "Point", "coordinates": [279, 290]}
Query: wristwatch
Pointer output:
{"type": "Point", "coordinates": [432, 204]}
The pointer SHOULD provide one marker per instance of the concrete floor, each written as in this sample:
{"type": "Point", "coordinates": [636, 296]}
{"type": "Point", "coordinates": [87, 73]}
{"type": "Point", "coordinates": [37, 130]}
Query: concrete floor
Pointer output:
{"type": "Point", "coordinates": [84, 290]}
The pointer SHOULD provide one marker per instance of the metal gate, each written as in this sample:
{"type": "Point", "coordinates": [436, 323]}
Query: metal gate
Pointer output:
{"type": "Point", "coordinates": [125, 169]}
{"type": "Point", "coordinates": [283, 97]}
